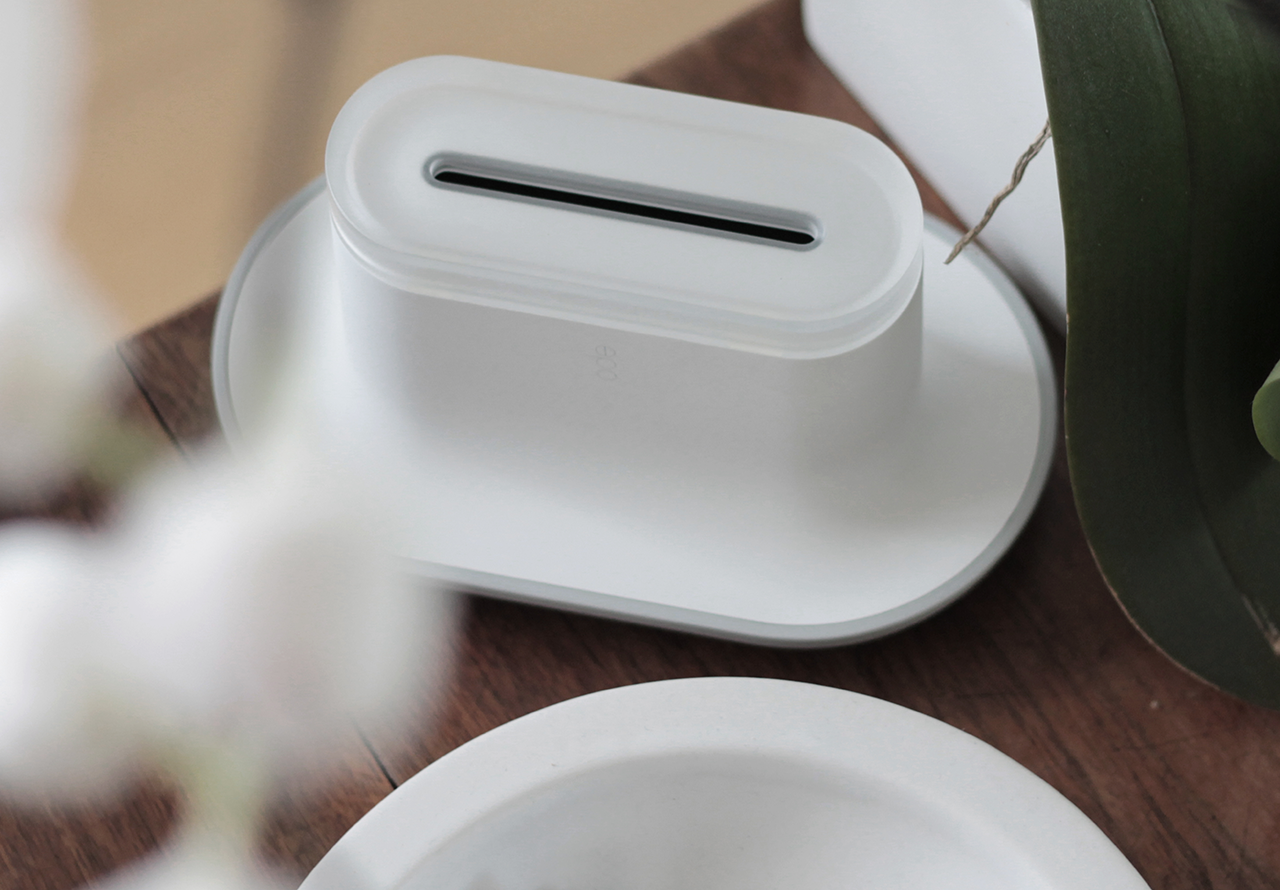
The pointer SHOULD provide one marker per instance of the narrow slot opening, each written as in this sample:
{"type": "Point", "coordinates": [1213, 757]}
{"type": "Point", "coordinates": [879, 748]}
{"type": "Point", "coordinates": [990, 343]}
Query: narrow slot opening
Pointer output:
{"type": "Point", "coordinates": [617, 200]}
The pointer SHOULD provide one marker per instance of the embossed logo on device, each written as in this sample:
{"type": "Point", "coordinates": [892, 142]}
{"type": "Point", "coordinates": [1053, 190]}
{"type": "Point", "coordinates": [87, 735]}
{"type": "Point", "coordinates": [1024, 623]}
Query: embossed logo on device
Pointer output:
{"type": "Point", "coordinates": [606, 363]}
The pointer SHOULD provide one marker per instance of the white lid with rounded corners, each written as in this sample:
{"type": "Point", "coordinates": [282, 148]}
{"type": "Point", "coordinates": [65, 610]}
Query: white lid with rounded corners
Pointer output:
{"type": "Point", "coordinates": [700, 162]}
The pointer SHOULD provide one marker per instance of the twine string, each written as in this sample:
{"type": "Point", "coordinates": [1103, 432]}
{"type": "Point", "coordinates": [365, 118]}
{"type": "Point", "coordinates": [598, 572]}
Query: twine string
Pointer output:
{"type": "Point", "coordinates": [1018, 170]}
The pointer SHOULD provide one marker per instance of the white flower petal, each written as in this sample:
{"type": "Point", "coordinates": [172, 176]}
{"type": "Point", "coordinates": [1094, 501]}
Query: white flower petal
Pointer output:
{"type": "Point", "coordinates": [58, 735]}
{"type": "Point", "coordinates": [185, 868]}
{"type": "Point", "coordinates": [52, 349]}
{"type": "Point", "coordinates": [40, 86]}
{"type": "Point", "coordinates": [261, 603]}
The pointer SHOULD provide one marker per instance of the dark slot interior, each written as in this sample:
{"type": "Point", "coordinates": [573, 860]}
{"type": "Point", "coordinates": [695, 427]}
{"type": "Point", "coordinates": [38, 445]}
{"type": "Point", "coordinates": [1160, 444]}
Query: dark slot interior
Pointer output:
{"type": "Point", "coordinates": [623, 206]}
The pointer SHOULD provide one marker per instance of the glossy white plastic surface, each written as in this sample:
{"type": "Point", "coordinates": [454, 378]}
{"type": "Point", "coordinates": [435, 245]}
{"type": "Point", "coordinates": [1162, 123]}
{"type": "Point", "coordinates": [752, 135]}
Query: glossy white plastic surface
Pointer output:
{"type": "Point", "coordinates": [957, 86]}
{"type": "Point", "coordinates": [724, 784]}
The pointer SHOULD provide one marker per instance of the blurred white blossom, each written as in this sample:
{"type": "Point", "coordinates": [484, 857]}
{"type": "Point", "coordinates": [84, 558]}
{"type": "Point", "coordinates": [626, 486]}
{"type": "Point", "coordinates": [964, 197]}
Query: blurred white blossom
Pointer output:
{"type": "Point", "coordinates": [59, 734]}
{"type": "Point", "coordinates": [54, 384]}
{"type": "Point", "coordinates": [41, 81]}
{"type": "Point", "coordinates": [251, 603]}
{"type": "Point", "coordinates": [238, 613]}
{"type": "Point", "coordinates": [52, 340]}
{"type": "Point", "coordinates": [260, 600]}
{"type": "Point", "coordinates": [186, 866]}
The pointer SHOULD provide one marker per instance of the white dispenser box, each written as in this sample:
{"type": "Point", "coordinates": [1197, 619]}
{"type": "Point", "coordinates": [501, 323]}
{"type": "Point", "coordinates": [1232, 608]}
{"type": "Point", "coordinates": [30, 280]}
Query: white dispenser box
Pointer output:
{"type": "Point", "coordinates": [644, 355]}
{"type": "Point", "coordinates": [595, 272]}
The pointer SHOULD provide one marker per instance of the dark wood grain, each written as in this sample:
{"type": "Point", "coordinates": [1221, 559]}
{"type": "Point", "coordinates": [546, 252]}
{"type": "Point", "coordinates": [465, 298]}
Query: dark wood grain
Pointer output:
{"type": "Point", "coordinates": [47, 847]}
{"type": "Point", "coordinates": [311, 812]}
{"type": "Point", "coordinates": [170, 364]}
{"type": "Point", "coordinates": [1038, 659]}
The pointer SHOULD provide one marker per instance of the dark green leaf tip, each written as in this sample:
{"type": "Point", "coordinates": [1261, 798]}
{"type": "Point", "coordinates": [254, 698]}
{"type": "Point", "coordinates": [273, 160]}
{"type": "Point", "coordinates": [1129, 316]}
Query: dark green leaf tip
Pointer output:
{"type": "Point", "coordinates": [1266, 413]}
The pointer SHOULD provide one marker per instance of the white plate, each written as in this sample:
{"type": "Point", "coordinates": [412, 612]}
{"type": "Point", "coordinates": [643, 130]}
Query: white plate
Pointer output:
{"type": "Point", "coordinates": [724, 784]}
{"type": "Point", "coordinates": [753, 559]}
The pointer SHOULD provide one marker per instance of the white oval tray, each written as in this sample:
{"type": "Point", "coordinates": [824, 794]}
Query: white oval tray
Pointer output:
{"type": "Point", "coordinates": [891, 542]}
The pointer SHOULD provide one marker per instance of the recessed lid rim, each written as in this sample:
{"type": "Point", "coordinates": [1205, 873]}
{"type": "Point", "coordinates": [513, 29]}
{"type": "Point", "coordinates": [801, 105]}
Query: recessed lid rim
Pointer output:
{"type": "Point", "coordinates": [420, 268]}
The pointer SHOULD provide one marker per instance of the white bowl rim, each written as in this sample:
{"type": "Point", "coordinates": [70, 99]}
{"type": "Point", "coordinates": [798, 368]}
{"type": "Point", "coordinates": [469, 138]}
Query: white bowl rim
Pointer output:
{"type": "Point", "coordinates": [845, 732]}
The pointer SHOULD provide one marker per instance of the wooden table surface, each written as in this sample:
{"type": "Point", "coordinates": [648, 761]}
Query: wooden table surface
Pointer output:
{"type": "Point", "coordinates": [1038, 659]}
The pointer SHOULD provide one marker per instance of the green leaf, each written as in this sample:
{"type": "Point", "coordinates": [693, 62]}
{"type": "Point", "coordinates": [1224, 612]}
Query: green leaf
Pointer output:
{"type": "Point", "coordinates": [1166, 127]}
{"type": "Point", "coordinates": [1266, 413]}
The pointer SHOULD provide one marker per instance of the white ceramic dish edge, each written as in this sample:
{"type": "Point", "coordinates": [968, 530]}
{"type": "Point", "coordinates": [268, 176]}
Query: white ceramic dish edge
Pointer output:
{"type": "Point", "coordinates": [840, 733]}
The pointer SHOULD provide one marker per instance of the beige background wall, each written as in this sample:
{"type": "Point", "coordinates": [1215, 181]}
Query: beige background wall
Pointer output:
{"type": "Point", "coordinates": [188, 136]}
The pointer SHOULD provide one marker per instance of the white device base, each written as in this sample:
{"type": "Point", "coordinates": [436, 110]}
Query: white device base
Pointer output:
{"type": "Point", "coordinates": [778, 561]}
{"type": "Point", "coordinates": [724, 783]}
